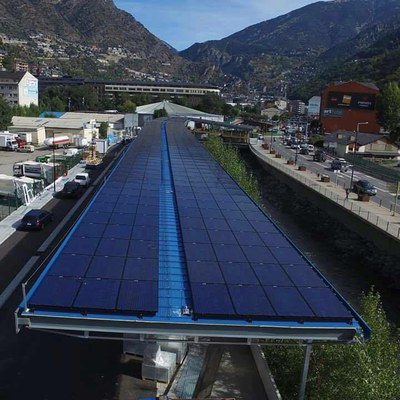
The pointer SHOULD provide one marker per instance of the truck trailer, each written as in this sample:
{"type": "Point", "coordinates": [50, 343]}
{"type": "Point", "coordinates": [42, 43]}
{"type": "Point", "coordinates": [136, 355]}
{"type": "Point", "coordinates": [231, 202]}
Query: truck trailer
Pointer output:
{"type": "Point", "coordinates": [57, 141]}
{"type": "Point", "coordinates": [7, 141]}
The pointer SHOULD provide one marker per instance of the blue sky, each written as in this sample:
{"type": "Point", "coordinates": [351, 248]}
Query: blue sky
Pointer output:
{"type": "Point", "coordinates": [182, 23]}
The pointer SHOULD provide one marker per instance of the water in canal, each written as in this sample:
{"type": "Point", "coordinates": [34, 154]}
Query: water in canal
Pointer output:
{"type": "Point", "coordinates": [350, 263]}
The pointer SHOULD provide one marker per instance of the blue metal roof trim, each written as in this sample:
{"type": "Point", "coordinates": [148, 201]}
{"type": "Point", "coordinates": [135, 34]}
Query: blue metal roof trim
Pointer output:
{"type": "Point", "coordinates": [173, 282]}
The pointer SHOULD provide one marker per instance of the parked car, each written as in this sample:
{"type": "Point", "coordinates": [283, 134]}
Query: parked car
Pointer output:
{"type": "Point", "coordinates": [365, 187]}
{"type": "Point", "coordinates": [319, 156]}
{"type": "Point", "coordinates": [304, 151]}
{"type": "Point", "coordinates": [36, 219]}
{"type": "Point", "coordinates": [83, 179]}
{"type": "Point", "coordinates": [340, 164]}
{"type": "Point", "coordinates": [71, 190]}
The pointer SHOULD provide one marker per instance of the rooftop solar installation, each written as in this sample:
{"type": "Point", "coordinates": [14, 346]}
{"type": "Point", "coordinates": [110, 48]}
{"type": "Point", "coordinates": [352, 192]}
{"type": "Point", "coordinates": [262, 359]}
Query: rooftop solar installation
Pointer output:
{"type": "Point", "coordinates": [171, 238]}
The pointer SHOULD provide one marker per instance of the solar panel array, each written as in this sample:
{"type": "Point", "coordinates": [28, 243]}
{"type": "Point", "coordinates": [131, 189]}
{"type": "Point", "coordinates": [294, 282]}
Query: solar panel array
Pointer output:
{"type": "Point", "coordinates": [110, 263]}
{"type": "Point", "coordinates": [170, 229]}
{"type": "Point", "coordinates": [239, 264]}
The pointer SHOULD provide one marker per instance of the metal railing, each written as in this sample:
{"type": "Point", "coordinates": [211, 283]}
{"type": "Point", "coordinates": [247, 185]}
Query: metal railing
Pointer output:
{"type": "Point", "coordinates": [318, 186]}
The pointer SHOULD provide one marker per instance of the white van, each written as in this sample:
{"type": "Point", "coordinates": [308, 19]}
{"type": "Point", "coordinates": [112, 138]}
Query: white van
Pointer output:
{"type": "Point", "coordinates": [310, 147]}
{"type": "Point", "coordinates": [82, 178]}
{"type": "Point", "coordinates": [70, 152]}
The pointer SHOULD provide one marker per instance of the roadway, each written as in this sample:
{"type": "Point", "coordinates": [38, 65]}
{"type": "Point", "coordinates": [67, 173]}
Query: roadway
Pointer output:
{"type": "Point", "coordinates": [384, 198]}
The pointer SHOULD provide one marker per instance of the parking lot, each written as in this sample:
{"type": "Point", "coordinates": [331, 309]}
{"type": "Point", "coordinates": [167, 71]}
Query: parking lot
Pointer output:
{"type": "Point", "coordinates": [8, 158]}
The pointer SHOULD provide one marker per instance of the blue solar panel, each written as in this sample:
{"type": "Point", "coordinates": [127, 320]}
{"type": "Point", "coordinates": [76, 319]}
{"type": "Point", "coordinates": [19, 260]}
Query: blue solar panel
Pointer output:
{"type": "Point", "coordinates": [248, 239]}
{"type": "Point", "coordinates": [288, 302]}
{"type": "Point", "coordinates": [194, 223]}
{"type": "Point", "coordinates": [304, 275]}
{"type": "Point", "coordinates": [250, 301]}
{"type": "Point", "coordinates": [238, 273]}
{"type": "Point", "coordinates": [287, 255]}
{"type": "Point", "coordinates": [240, 225]}
{"type": "Point", "coordinates": [143, 249]}
{"type": "Point", "coordinates": [97, 294]}
{"type": "Point", "coordinates": [211, 299]}
{"type": "Point", "coordinates": [216, 224]}
{"type": "Point", "coordinates": [70, 265]}
{"type": "Point", "coordinates": [324, 303]}
{"type": "Point", "coordinates": [122, 219]}
{"type": "Point", "coordinates": [147, 209]}
{"type": "Point", "coordinates": [145, 232]}
{"type": "Point", "coordinates": [189, 212]}
{"type": "Point", "coordinates": [256, 215]}
{"type": "Point", "coordinates": [258, 254]}
{"type": "Point", "coordinates": [272, 275]}
{"type": "Point", "coordinates": [139, 297]}
{"type": "Point", "coordinates": [264, 226]}
{"type": "Point", "coordinates": [275, 240]}
{"type": "Point", "coordinates": [211, 213]}
{"type": "Point", "coordinates": [106, 267]}
{"type": "Point", "coordinates": [113, 247]}
{"type": "Point", "coordinates": [103, 207]}
{"type": "Point", "coordinates": [233, 215]}
{"type": "Point", "coordinates": [118, 231]}
{"type": "Point", "coordinates": [204, 272]}
{"type": "Point", "coordinates": [82, 245]}
{"type": "Point", "coordinates": [195, 236]}
{"type": "Point", "coordinates": [147, 220]}
{"type": "Point", "coordinates": [229, 252]}
{"type": "Point", "coordinates": [90, 230]}
{"type": "Point", "coordinates": [97, 217]}
{"type": "Point", "coordinates": [199, 251]}
{"type": "Point", "coordinates": [55, 291]}
{"type": "Point", "coordinates": [141, 269]}
{"type": "Point", "coordinates": [225, 237]}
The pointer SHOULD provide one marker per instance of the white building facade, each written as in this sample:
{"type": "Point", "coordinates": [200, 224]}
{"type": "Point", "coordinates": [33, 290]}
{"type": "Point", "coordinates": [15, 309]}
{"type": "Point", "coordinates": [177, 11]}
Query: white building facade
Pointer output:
{"type": "Point", "coordinates": [19, 88]}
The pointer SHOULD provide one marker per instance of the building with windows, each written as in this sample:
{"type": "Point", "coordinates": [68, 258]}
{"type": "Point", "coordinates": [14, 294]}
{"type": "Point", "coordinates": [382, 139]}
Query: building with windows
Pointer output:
{"type": "Point", "coordinates": [345, 104]}
{"type": "Point", "coordinates": [314, 105]}
{"type": "Point", "coordinates": [114, 89]}
{"type": "Point", "coordinates": [19, 88]}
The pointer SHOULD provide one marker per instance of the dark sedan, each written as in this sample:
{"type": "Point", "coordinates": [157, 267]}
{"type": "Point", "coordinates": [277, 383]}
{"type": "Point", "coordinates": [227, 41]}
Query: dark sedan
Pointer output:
{"type": "Point", "coordinates": [365, 187]}
{"type": "Point", "coordinates": [71, 190]}
{"type": "Point", "coordinates": [36, 219]}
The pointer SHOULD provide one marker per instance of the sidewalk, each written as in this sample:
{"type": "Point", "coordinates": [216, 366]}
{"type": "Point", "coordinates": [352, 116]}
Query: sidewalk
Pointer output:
{"type": "Point", "coordinates": [378, 216]}
{"type": "Point", "coordinates": [9, 224]}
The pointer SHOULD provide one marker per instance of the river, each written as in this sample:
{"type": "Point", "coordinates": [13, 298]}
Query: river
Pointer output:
{"type": "Point", "coordinates": [349, 262]}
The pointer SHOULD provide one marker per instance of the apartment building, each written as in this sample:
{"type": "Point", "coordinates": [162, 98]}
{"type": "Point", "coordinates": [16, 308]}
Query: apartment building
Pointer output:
{"type": "Point", "coordinates": [19, 88]}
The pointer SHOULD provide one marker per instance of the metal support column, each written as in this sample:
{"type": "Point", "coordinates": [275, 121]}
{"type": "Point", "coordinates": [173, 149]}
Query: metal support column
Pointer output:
{"type": "Point", "coordinates": [208, 372]}
{"type": "Point", "coordinates": [303, 383]}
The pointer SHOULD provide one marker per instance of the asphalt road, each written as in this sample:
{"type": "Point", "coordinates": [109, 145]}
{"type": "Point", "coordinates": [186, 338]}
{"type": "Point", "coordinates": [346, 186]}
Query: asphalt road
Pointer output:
{"type": "Point", "coordinates": [39, 365]}
{"type": "Point", "coordinates": [383, 197]}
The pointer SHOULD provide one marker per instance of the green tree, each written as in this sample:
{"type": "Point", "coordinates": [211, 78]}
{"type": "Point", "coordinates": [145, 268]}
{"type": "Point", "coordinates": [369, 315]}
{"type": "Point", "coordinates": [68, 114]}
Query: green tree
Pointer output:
{"type": "Point", "coordinates": [388, 109]}
{"type": "Point", "coordinates": [228, 157]}
{"type": "Point", "coordinates": [361, 371]}
{"type": "Point", "coordinates": [103, 130]}
{"type": "Point", "coordinates": [5, 114]}
{"type": "Point", "coordinates": [160, 113]}
{"type": "Point", "coordinates": [128, 106]}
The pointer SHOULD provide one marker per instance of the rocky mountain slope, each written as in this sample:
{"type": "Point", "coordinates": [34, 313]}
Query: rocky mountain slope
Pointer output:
{"type": "Point", "coordinates": [302, 43]}
{"type": "Point", "coordinates": [97, 25]}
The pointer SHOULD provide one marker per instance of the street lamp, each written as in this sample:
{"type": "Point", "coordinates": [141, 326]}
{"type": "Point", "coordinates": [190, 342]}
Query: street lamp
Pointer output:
{"type": "Point", "coordinates": [354, 152]}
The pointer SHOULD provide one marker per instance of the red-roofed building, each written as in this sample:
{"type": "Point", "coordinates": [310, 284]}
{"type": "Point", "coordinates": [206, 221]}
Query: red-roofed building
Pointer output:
{"type": "Point", "coordinates": [345, 104]}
